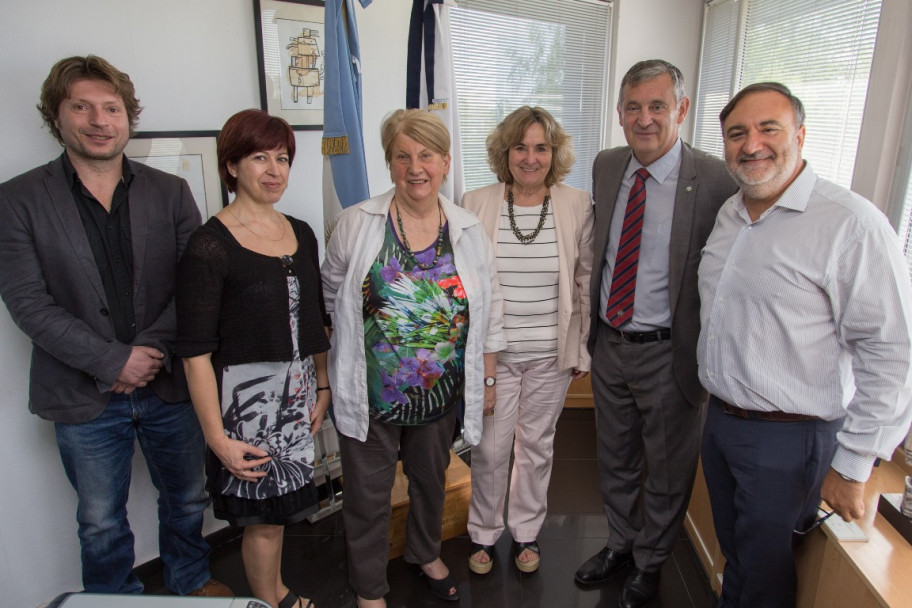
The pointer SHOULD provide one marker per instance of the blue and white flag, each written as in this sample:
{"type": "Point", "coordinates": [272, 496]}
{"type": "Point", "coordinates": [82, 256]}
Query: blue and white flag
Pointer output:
{"type": "Point", "coordinates": [344, 167]}
{"type": "Point", "coordinates": [430, 81]}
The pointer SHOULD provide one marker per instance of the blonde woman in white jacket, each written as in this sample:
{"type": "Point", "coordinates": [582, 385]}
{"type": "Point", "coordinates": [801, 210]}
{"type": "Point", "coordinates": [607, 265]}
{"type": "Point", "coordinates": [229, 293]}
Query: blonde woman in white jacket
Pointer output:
{"type": "Point", "coordinates": [541, 231]}
{"type": "Point", "coordinates": [410, 283]}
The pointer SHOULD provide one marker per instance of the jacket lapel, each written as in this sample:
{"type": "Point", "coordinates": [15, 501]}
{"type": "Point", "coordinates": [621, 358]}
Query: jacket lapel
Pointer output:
{"type": "Point", "coordinates": [604, 207]}
{"type": "Point", "coordinates": [564, 232]}
{"type": "Point", "coordinates": [490, 215]}
{"type": "Point", "coordinates": [681, 225]}
{"type": "Point", "coordinates": [141, 205]}
{"type": "Point", "coordinates": [70, 224]}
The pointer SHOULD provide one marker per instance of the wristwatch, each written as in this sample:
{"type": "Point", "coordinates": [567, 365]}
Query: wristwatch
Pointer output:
{"type": "Point", "coordinates": [490, 380]}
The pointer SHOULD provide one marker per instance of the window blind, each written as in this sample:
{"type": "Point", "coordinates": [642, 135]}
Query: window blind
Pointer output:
{"type": "Point", "coordinates": [548, 53]}
{"type": "Point", "coordinates": [720, 34]}
{"type": "Point", "coordinates": [821, 49]}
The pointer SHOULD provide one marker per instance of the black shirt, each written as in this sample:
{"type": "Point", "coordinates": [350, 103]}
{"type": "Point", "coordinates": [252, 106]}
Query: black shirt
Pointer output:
{"type": "Point", "coordinates": [112, 246]}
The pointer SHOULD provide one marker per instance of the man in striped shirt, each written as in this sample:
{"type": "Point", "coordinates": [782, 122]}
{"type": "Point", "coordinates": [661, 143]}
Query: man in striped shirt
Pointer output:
{"type": "Point", "coordinates": [805, 347]}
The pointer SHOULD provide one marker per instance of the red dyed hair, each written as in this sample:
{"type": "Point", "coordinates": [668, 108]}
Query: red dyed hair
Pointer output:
{"type": "Point", "coordinates": [247, 132]}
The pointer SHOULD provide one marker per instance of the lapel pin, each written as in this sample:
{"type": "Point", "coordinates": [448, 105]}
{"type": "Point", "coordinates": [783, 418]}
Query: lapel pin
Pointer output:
{"type": "Point", "coordinates": [689, 188]}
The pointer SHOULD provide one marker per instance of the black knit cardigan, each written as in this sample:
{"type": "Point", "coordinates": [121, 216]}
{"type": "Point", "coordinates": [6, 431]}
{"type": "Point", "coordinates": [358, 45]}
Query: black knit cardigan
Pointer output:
{"type": "Point", "coordinates": [233, 302]}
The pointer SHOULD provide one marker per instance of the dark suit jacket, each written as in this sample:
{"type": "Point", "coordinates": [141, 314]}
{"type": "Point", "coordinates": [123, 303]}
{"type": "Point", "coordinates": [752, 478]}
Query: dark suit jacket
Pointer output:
{"type": "Point", "coordinates": [51, 286]}
{"type": "Point", "coordinates": [703, 185]}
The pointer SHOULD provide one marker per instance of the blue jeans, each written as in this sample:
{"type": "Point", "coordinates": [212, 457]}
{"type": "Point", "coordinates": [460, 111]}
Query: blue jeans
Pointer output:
{"type": "Point", "coordinates": [97, 458]}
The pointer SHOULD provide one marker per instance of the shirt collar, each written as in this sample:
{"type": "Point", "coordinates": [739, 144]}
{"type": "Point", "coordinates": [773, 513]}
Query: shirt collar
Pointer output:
{"type": "Point", "coordinates": [795, 197]}
{"type": "Point", "coordinates": [72, 176]}
{"type": "Point", "coordinates": [661, 168]}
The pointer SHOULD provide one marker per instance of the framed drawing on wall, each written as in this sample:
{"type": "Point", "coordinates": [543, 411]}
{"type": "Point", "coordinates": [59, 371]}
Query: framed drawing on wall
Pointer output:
{"type": "Point", "coordinates": [290, 45]}
{"type": "Point", "coordinates": [187, 154]}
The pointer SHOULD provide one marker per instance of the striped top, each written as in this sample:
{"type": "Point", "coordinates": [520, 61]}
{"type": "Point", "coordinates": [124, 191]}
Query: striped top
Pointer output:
{"type": "Point", "coordinates": [808, 310]}
{"type": "Point", "coordinates": [528, 278]}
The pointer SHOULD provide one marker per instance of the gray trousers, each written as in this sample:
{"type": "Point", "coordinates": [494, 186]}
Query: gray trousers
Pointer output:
{"type": "Point", "coordinates": [648, 445]}
{"type": "Point", "coordinates": [368, 471]}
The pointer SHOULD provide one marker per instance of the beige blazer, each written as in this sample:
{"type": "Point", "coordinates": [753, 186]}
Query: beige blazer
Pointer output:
{"type": "Point", "coordinates": [573, 224]}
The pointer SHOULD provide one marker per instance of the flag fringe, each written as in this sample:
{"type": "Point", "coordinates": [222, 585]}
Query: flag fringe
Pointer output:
{"type": "Point", "coordinates": [335, 145]}
{"type": "Point", "coordinates": [438, 106]}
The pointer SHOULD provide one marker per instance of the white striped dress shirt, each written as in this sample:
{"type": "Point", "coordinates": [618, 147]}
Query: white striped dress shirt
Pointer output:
{"type": "Point", "coordinates": [808, 310]}
{"type": "Point", "coordinates": [529, 284]}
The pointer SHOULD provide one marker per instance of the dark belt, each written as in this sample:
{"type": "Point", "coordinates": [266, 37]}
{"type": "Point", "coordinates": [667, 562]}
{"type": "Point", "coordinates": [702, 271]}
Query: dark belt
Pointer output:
{"type": "Point", "coordinates": [642, 337]}
{"type": "Point", "coordinates": [734, 410]}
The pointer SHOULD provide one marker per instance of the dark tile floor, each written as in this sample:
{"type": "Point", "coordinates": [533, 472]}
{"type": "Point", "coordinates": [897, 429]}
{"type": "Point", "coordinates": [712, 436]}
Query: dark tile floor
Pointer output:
{"type": "Point", "coordinates": [575, 529]}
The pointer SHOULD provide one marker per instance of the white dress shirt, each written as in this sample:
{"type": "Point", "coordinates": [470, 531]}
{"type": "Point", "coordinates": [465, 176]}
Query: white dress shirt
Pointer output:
{"type": "Point", "coordinates": [808, 310]}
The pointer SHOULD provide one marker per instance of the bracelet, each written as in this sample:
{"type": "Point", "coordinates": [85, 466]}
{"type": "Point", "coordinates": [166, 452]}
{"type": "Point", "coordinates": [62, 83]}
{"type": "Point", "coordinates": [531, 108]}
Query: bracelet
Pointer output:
{"type": "Point", "coordinates": [322, 388]}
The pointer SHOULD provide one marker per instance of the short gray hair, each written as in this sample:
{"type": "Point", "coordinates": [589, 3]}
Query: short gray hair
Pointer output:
{"type": "Point", "coordinates": [649, 69]}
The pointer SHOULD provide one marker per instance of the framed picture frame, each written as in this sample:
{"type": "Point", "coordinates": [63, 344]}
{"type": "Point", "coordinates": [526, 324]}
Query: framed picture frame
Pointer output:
{"type": "Point", "coordinates": [290, 38]}
{"type": "Point", "coordinates": [187, 154]}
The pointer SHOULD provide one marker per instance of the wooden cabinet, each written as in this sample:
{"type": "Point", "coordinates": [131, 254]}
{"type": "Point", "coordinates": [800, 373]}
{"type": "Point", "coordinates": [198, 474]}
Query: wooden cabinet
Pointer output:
{"type": "Point", "coordinates": [831, 573]}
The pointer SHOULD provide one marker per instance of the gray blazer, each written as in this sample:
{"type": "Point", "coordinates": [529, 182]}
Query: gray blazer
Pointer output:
{"type": "Point", "coordinates": [52, 288]}
{"type": "Point", "coordinates": [703, 185]}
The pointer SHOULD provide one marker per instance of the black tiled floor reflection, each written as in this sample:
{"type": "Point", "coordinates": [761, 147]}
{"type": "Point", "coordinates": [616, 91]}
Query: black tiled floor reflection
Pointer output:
{"type": "Point", "coordinates": [314, 555]}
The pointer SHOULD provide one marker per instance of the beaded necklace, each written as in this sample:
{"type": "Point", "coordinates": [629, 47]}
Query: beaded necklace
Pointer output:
{"type": "Point", "coordinates": [408, 248]}
{"type": "Point", "coordinates": [525, 239]}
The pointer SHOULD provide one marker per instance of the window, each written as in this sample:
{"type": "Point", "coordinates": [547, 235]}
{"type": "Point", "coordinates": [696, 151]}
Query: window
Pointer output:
{"type": "Point", "coordinates": [901, 205]}
{"type": "Point", "coordinates": [905, 224]}
{"type": "Point", "coordinates": [548, 53]}
{"type": "Point", "coordinates": [821, 50]}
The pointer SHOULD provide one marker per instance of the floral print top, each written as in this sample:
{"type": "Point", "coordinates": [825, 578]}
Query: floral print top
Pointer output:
{"type": "Point", "coordinates": [268, 404]}
{"type": "Point", "coordinates": [415, 329]}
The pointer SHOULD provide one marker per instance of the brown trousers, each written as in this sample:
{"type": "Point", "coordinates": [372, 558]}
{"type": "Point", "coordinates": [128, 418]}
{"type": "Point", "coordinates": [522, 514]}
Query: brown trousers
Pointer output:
{"type": "Point", "coordinates": [369, 470]}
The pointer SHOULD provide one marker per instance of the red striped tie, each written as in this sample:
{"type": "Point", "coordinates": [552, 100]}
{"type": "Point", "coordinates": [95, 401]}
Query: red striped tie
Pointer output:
{"type": "Point", "coordinates": [623, 281]}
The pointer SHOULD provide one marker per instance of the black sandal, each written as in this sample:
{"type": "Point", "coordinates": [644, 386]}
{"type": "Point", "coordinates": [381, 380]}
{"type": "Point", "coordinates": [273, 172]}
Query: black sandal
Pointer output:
{"type": "Point", "coordinates": [530, 566]}
{"type": "Point", "coordinates": [291, 600]}
{"type": "Point", "coordinates": [440, 587]}
{"type": "Point", "coordinates": [481, 567]}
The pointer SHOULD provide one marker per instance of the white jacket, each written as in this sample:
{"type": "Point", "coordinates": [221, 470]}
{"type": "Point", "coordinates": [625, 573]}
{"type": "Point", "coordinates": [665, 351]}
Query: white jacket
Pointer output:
{"type": "Point", "coordinates": [353, 247]}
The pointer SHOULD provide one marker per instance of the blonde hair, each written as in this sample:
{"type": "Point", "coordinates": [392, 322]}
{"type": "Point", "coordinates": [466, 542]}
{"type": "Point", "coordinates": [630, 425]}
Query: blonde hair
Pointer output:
{"type": "Point", "coordinates": [511, 131]}
{"type": "Point", "coordinates": [422, 126]}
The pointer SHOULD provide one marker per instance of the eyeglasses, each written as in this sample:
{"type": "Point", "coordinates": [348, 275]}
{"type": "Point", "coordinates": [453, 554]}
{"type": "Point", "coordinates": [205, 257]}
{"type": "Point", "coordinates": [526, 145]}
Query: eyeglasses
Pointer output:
{"type": "Point", "coordinates": [817, 523]}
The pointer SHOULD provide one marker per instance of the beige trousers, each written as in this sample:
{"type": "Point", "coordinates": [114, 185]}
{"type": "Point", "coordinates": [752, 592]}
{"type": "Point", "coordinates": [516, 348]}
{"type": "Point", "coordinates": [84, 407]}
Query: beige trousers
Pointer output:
{"type": "Point", "coordinates": [530, 397]}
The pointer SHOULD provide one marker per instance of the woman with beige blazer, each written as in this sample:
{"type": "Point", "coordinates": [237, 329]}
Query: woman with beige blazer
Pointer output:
{"type": "Point", "coordinates": [541, 231]}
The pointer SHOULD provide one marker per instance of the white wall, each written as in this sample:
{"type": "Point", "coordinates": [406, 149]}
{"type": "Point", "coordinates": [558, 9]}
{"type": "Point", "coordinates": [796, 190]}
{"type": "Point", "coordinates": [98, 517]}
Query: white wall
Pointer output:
{"type": "Point", "coordinates": [886, 111]}
{"type": "Point", "coordinates": [654, 29]}
{"type": "Point", "coordinates": [194, 64]}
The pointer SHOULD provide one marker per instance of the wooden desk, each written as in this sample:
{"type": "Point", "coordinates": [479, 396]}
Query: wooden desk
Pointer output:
{"type": "Point", "coordinates": [831, 573]}
{"type": "Point", "coordinates": [579, 395]}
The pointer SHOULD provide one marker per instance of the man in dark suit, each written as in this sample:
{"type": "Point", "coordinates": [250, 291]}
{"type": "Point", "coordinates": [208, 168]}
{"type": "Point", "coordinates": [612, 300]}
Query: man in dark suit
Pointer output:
{"type": "Point", "coordinates": [89, 246]}
{"type": "Point", "coordinates": [655, 203]}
